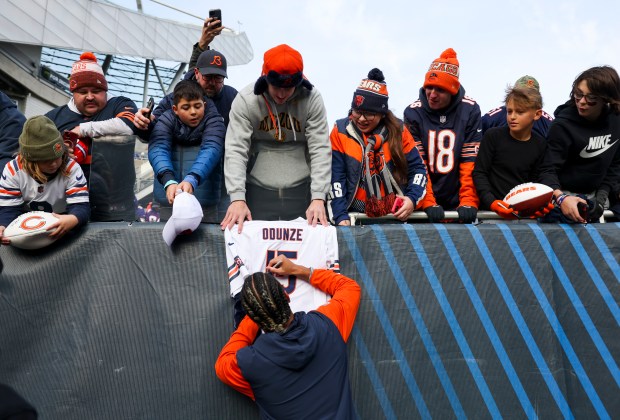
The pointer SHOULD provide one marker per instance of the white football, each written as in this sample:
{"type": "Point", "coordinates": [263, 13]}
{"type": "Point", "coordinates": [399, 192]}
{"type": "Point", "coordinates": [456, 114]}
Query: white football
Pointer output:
{"type": "Point", "coordinates": [28, 231]}
{"type": "Point", "coordinates": [529, 197]}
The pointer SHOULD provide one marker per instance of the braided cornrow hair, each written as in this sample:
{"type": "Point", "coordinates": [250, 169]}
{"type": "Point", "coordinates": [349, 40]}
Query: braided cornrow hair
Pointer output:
{"type": "Point", "coordinates": [264, 300]}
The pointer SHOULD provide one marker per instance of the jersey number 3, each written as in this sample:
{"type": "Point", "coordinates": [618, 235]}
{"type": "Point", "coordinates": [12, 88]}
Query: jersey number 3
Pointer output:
{"type": "Point", "coordinates": [291, 255]}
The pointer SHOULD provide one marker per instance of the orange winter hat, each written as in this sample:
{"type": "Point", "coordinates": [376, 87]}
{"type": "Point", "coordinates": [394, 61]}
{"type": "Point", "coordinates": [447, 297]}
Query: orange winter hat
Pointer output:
{"type": "Point", "coordinates": [444, 72]}
{"type": "Point", "coordinates": [87, 72]}
{"type": "Point", "coordinates": [283, 67]}
{"type": "Point", "coordinates": [283, 60]}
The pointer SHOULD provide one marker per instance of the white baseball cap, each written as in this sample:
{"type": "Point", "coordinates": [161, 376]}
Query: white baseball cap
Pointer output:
{"type": "Point", "coordinates": [186, 217]}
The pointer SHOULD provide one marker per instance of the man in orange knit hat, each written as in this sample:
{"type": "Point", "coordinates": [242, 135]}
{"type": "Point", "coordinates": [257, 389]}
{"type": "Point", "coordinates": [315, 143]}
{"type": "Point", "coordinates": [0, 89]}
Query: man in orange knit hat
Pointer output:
{"type": "Point", "coordinates": [277, 154]}
{"type": "Point", "coordinates": [446, 127]}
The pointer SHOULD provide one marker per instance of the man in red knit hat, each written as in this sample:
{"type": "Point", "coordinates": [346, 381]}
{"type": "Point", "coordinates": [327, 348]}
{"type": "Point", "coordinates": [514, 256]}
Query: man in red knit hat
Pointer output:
{"type": "Point", "coordinates": [93, 113]}
{"type": "Point", "coordinates": [446, 127]}
{"type": "Point", "coordinates": [277, 155]}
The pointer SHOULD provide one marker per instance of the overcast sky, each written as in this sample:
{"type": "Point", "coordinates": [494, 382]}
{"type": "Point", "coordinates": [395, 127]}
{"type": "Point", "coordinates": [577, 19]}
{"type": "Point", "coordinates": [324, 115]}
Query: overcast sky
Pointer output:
{"type": "Point", "coordinates": [496, 42]}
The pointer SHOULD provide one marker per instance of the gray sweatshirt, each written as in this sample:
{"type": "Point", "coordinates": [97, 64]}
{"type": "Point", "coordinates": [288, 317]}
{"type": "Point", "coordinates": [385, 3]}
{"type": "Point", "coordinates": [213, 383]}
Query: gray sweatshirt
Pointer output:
{"type": "Point", "coordinates": [283, 145]}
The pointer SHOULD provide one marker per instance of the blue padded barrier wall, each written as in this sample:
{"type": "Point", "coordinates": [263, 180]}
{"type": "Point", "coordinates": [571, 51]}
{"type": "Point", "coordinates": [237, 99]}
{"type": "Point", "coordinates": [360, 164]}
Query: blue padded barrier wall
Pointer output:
{"type": "Point", "coordinates": [496, 320]}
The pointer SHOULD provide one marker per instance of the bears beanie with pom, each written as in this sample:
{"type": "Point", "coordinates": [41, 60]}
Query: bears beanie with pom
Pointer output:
{"type": "Point", "coordinates": [371, 94]}
{"type": "Point", "coordinates": [444, 72]}
{"type": "Point", "coordinates": [87, 72]}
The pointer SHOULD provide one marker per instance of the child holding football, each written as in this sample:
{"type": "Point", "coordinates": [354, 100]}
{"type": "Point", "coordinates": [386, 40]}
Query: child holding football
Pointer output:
{"type": "Point", "coordinates": [510, 155]}
{"type": "Point", "coordinates": [185, 148]}
{"type": "Point", "coordinates": [42, 177]}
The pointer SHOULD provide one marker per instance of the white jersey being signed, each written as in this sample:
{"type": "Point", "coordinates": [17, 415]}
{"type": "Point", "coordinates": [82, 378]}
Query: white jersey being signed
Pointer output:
{"type": "Point", "coordinates": [260, 241]}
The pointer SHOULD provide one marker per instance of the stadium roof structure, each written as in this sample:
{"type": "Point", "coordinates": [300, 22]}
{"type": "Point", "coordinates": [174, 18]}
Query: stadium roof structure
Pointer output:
{"type": "Point", "coordinates": [106, 28]}
{"type": "Point", "coordinates": [40, 39]}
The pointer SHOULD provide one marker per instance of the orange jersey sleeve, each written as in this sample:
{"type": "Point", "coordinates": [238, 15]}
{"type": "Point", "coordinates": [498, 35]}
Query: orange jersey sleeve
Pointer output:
{"type": "Point", "coordinates": [226, 367]}
{"type": "Point", "coordinates": [467, 193]}
{"type": "Point", "coordinates": [346, 294]}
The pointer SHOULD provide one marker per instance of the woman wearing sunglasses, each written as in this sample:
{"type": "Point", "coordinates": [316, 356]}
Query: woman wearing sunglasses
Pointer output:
{"type": "Point", "coordinates": [376, 167]}
{"type": "Point", "coordinates": [582, 160]}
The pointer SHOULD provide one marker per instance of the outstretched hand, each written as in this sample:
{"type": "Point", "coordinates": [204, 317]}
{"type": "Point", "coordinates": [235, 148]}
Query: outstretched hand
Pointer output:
{"type": "Point", "coordinates": [237, 213]}
{"type": "Point", "coordinates": [316, 213]}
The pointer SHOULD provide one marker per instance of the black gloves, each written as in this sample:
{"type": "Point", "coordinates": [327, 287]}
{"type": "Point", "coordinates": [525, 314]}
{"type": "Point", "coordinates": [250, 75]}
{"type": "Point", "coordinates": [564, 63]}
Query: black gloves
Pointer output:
{"type": "Point", "coordinates": [467, 214]}
{"type": "Point", "coordinates": [599, 206]}
{"type": "Point", "coordinates": [435, 213]}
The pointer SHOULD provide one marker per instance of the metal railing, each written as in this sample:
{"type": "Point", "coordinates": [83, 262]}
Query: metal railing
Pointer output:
{"type": "Point", "coordinates": [420, 216]}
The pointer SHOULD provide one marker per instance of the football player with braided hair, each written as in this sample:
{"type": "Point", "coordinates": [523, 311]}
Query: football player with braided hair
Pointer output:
{"type": "Point", "coordinates": [298, 366]}
{"type": "Point", "coordinates": [264, 300]}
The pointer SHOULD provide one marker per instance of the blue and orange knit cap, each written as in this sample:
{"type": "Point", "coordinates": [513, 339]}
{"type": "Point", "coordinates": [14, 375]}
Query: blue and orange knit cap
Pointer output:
{"type": "Point", "coordinates": [444, 73]}
{"type": "Point", "coordinates": [371, 94]}
{"type": "Point", "coordinates": [283, 67]}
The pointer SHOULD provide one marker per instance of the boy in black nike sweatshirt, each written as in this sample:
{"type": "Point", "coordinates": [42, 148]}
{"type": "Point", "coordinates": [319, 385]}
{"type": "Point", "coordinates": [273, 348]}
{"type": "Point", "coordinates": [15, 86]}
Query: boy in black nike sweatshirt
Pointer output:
{"type": "Point", "coordinates": [582, 160]}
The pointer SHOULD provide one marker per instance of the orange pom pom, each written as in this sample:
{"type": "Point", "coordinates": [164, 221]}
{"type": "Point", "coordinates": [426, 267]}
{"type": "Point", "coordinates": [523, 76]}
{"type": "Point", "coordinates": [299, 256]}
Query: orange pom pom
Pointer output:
{"type": "Point", "coordinates": [88, 56]}
{"type": "Point", "coordinates": [449, 53]}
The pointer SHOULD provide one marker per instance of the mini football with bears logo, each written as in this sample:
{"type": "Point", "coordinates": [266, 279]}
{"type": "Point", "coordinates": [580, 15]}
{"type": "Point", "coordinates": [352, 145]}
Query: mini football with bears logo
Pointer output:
{"type": "Point", "coordinates": [529, 197]}
{"type": "Point", "coordinates": [29, 230]}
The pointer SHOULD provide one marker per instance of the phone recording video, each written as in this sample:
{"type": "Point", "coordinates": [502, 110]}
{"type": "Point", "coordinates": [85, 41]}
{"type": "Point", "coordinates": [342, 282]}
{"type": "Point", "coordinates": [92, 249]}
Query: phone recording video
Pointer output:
{"type": "Point", "coordinates": [150, 105]}
{"type": "Point", "coordinates": [217, 14]}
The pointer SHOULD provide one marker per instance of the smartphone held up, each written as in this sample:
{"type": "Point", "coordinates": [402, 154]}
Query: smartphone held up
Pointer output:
{"type": "Point", "coordinates": [217, 14]}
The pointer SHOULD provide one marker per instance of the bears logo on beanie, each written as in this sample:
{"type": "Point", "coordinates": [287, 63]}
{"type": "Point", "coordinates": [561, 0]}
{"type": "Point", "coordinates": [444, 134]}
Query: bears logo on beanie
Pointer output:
{"type": "Point", "coordinates": [40, 140]}
{"type": "Point", "coordinates": [283, 67]}
{"type": "Point", "coordinates": [444, 72]}
{"type": "Point", "coordinates": [87, 72]}
{"type": "Point", "coordinates": [527, 81]}
{"type": "Point", "coordinates": [371, 94]}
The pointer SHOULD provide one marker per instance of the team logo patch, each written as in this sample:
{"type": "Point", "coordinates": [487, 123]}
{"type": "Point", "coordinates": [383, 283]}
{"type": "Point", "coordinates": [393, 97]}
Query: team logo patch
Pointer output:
{"type": "Point", "coordinates": [57, 148]}
{"type": "Point", "coordinates": [359, 100]}
{"type": "Point", "coordinates": [32, 223]}
{"type": "Point", "coordinates": [40, 189]}
{"type": "Point", "coordinates": [217, 61]}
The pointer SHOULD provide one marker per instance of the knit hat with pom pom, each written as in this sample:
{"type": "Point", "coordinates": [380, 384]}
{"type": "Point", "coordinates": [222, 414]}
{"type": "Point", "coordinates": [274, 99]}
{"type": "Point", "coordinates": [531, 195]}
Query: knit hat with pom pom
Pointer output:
{"type": "Point", "coordinates": [371, 94]}
{"type": "Point", "coordinates": [86, 72]}
{"type": "Point", "coordinates": [444, 72]}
